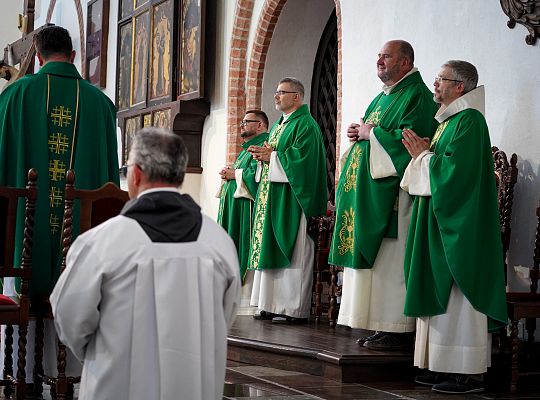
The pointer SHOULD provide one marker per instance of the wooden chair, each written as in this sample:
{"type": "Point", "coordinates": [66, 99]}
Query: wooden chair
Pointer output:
{"type": "Point", "coordinates": [321, 227]}
{"type": "Point", "coordinates": [15, 310]}
{"type": "Point", "coordinates": [96, 206]}
{"type": "Point", "coordinates": [524, 305]}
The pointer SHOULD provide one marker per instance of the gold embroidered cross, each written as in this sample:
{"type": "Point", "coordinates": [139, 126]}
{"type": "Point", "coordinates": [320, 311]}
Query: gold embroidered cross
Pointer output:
{"type": "Point", "coordinates": [57, 170]}
{"type": "Point", "coordinates": [61, 116]}
{"type": "Point", "coordinates": [58, 143]}
{"type": "Point", "coordinates": [54, 223]}
{"type": "Point", "coordinates": [55, 197]}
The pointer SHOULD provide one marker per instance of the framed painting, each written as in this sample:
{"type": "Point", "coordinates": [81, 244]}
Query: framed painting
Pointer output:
{"type": "Point", "coordinates": [97, 35]}
{"type": "Point", "coordinates": [162, 119]}
{"type": "Point", "coordinates": [191, 50]}
{"type": "Point", "coordinates": [160, 61]}
{"type": "Point", "coordinates": [139, 70]}
{"type": "Point", "coordinates": [124, 66]}
{"type": "Point", "coordinates": [132, 125]}
{"type": "Point", "coordinates": [139, 3]}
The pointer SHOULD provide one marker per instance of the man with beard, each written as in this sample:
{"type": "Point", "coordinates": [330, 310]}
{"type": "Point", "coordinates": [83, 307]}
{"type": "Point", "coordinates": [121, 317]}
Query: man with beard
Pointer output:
{"type": "Point", "coordinates": [453, 267]}
{"type": "Point", "coordinates": [239, 187]}
{"type": "Point", "coordinates": [372, 213]}
{"type": "Point", "coordinates": [292, 188]}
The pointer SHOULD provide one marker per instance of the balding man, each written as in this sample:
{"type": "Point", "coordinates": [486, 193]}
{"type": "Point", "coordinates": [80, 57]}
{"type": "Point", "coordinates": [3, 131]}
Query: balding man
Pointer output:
{"type": "Point", "coordinates": [372, 213]}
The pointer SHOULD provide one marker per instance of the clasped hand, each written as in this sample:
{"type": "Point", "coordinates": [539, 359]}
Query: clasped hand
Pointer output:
{"type": "Point", "coordinates": [414, 144]}
{"type": "Point", "coordinates": [261, 153]}
{"type": "Point", "coordinates": [357, 132]}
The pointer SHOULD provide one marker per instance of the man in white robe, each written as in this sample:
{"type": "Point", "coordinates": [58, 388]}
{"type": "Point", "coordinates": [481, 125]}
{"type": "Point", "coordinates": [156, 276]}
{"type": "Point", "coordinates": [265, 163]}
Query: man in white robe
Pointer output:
{"type": "Point", "coordinates": [148, 296]}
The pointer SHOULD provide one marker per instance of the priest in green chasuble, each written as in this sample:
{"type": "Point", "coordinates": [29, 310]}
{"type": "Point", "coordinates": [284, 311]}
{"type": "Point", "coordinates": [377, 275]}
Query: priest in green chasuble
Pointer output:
{"type": "Point", "coordinates": [292, 188]}
{"type": "Point", "coordinates": [453, 267]}
{"type": "Point", "coordinates": [239, 187]}
{"type": "Point", "coordinates": [54, 120]}
{"type": "Point", "coordinates": [372, 213]}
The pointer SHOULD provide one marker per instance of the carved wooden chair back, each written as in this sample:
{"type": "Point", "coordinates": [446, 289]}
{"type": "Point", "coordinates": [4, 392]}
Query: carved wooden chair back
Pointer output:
{"type": "Point", "coordinates": [96, 206]}
{"type": "Point", "coordinates": [525, 305]}
{"type": "Point", "coordinates": [14, 310]}
{"type": "Point", "coordinates": [506, 174]}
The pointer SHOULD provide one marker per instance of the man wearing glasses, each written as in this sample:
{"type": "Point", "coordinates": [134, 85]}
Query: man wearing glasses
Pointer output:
{"type": "Point", "coordinates": [292, 188]}
{"type": "Point", "coordinates": [239, 187]}
{"type": "Point", "coordinates": [453, 267]}
{"type": "Point", "coordinates": [372, 214]}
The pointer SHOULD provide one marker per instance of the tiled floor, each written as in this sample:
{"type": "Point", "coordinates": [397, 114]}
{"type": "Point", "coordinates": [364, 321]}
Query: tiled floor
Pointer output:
{"type": "Point", "coordinates": [245, 382]}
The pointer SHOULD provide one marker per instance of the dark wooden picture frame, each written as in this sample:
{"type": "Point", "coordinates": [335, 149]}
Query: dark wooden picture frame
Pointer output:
{"type": "Point", "coordinates": [191, 82]}
{"type": "Point", "coordinates": [131, 126]}
{"type": "Point", "coordinates": [97, 38]}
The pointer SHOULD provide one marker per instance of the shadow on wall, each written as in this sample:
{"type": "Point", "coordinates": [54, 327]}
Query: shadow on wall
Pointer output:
{"type": "Point", "coordinates": [526, 200]}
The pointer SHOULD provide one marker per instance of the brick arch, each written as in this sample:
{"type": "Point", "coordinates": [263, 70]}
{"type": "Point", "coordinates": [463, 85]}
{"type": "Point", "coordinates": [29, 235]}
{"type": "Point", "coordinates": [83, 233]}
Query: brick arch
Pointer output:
{"type": "Point", "coordinates": [241, 99]}
{"type": "Point", "coordinates": [236, 100]}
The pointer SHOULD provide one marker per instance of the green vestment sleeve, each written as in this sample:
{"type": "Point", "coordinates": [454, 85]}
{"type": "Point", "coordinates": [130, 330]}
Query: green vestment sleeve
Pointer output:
{"type": "Point", "coordinates": [454, 235]}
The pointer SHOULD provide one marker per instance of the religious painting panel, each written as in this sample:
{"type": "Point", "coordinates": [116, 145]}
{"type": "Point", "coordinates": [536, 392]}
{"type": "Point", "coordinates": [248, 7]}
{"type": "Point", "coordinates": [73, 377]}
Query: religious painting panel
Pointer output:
{"type": "Point", "coordinates": [124, 66]}
{"type": "Point", "coordinates": [126, 8]}
{"type": "Point", "coordinates": [160, 65]}
{"type": "Point", "coordinates": [162, 119]}
{"type": "Point", "coordinates": [191, 79]}
{"type": "Point", "coordinates": [147, 120]}
{"type": "Point", "coordinates": [96, 42]}
{"type": "Point", "coordinates": [140, 58]}
{"type": "Point", "coordinates": [131, 127]}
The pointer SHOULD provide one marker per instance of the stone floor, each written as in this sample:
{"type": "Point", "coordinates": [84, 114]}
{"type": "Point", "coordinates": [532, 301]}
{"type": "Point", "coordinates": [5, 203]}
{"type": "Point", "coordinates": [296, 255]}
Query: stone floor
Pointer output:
{"type": "Point", "coordinates": [245, 382]}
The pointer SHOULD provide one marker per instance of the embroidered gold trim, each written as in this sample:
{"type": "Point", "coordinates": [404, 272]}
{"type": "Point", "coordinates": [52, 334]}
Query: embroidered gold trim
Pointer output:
{"type": "Point", "coordinates": [438, 133]}
{"type": "Point", "coordinates": [346, 233]}
{"type": "Point", "coordinates": [350, 173]}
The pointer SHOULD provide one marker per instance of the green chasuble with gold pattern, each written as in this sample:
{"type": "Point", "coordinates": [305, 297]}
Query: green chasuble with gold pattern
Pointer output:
{"type": "Point", "coordinates": [235, 214]}
{"type": "Point", "coordinates": [454, 236]}
{"type": "Point", "coordinates": [279, 206]}
{"type": "Point", "coordinates": [366, 208]}
{"type": "Point", "coordinates": [53, 121]}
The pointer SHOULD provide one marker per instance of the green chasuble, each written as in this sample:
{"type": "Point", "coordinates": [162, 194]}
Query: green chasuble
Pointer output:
{"type": "Point", "coordinates": [299, 146]}
{"type": "Point", "coordinates": [366, 208]}
{"type": "Point", "coordinates": [235, 213]}
{"type": "Point", "coordinates": [454, 236]}
{"type": "Point", "coordinates": [53, 121]}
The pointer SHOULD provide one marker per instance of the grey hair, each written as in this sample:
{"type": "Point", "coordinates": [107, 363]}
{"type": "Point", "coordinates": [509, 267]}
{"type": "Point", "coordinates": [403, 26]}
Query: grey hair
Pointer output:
{"type": "Point", "coordinates": [465, 72]}
{"type": "Point", "coordinates": [161, 155]}
{"type": "Point", "coordinates": [296, 85]}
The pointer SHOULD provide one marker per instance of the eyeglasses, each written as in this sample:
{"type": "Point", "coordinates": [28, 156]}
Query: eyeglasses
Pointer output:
{"type": "Point", "coordinates": [439, 79]}
{"type": "Point", "coordinates": [282, 92]}
{"type": "Point", "coordinates": [123, 169]}
{"type": "Point", "coordinates": [244, 122]}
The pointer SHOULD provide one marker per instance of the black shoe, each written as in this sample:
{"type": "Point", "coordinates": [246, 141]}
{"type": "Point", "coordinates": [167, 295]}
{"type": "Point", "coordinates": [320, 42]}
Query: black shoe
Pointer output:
{"type": "Point", "coordinates": [362, 340]}
{"type": "Point", "coordinates": [459, 384]}
{"type": "Point", "coordinates": [283, 319]}
{"type": "Point", "coordinates": [264, 316]}
{"type": "Point", "coordinates": [391, 342]}
{"type": "Point", "coordinates": [431, 379]}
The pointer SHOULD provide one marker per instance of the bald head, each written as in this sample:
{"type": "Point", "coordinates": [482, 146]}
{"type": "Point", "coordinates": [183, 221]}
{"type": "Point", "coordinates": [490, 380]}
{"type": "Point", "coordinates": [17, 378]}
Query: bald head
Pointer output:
{"type": "Point", "coordinates": [396, 59]}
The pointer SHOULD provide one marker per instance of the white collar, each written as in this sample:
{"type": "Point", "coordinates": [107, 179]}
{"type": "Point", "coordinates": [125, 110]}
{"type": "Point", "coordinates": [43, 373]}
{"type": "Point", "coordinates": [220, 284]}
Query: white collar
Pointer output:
{"type": "Point", "coordinates": [475, 99]}
{"type": "Point", "coordinates": [387, 89]}
{"type": "Point", "coordinates": [158, 189]}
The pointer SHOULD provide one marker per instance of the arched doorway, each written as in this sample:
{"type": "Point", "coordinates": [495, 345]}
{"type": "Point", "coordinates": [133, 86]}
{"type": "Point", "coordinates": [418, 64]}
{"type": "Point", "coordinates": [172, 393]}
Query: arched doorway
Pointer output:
{"type": "Point", "coordinates": [324, 96]}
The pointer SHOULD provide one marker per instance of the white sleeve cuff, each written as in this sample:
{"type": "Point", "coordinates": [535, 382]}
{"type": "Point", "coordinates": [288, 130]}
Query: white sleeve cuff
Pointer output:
{"type": "Point", "coordinates": [416, 177]}
{"type": "Point", "coordinates": [276, 173]}
{"type": "Point", "coordinates": [380, 163]}
{"type": "Point", "coordinates": [241, 188]}
{"type": "Point", "coordinates": [258, 172]}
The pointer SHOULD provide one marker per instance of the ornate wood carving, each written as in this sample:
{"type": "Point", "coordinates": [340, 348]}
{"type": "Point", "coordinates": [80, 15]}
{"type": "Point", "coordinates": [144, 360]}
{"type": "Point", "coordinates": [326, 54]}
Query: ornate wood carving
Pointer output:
{"type": "Point", "coordinates": [526, 13]}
